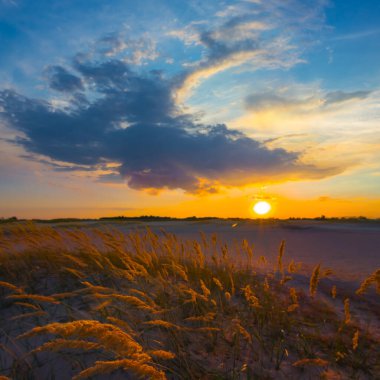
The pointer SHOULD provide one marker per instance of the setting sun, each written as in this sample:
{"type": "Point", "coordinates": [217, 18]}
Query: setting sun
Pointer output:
{"type": "Point", "coordinates": [262, 208]}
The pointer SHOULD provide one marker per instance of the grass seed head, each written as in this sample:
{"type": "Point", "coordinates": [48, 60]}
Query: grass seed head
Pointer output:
{"type": "Point", "coordinates": [314, 280]}
{"type": "Point", "coordinates": [347, 314]}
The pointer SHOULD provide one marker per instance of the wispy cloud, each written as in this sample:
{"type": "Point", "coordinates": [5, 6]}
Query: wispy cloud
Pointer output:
{"type": "Point", "coordinates": [254, 34]}
{"type": "Point", "coordinates": [324, 126]}
{"type": "Point", "coordinates": [135, 51]}
{"type": "Point", "coordinates": [356, 35]}
{"type": "Point", "coordinates": [274, 101]}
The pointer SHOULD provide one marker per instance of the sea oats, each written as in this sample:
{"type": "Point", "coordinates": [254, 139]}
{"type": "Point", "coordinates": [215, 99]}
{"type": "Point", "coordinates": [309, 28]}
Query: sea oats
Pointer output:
{"type": "Point", "coordinates": [347, 314]}
{"type": "Point", "coordinates": [26, 304]}
{"type": "Point", "coordinates": [180, 271]}
{"type": "Point", "coordinates": [34, 297]}
{"type": "Point", "coordinates": [76, 260]}
{"type": "Point", "coordinates": [111, 337]}
{"type": "Point", "coordinates": [205, 329]}
{"type": "Point", "coordinates": [69, 344]}
{"type": "Point", "coordinates": [374, 278]}
{"type": "Point", "coordinates": [194, 296]}
{"type": "Point", "coordinates": [293, 295]}
{"type": "Point", "coordinates": [314, 280]}
{"type": "Point", "coordinates": [200, 255]}
{"type": "Point", "coordinates": [241, 330]}
{"type": "Point", "coordinates": [217, 283]}
{"type": "Point", "coordinates": [266, 285]}
{"type": "Point", "coordinates": [97, 288]}
{"type": "Point", "coordinates": [201, 329]}
{"type": "Point", "coordinates": [206, 291]}
{"type": "Point", "coordinates": [143, 295]}
{"type": "Point", "coordinates": [285, 279]}
{"type": "Point", "coordinates": [252, 300]}
{"type": "Point", "coordinates": [355, 340]}
{"type": "Point", "coordinates": [204, 239]}
{"type": "Point", "coordinates": [280, 256]}
{"type": "Point", "coordinates": [122, 324]}
{"type": "Point", "coordinates": [38, 313]}
{"type": "Point", "coordinates": [10, 286]}
{"type": "Point", "coordinates": [202, 318]}
{"type": "Point", "coordinates": [292, 268]}
{"type": "Point", "coordinates": [311, 362]}
{"type": "Point", "coordinates": [162, 323]}
{"type": "Point", "coordinates": [232, 284]}
{"type": "Point", "coordinates": [74, 272]}
{"type": "Point", "coordinates": [292, 307]}
{"type": "Point", "coordinates": [139, 368]}
{"type": "Point", "coordinates": [131, 300]}
{"type": "Point", "coordinates": [162, 354]}
{"type": "Point", "coordinates": [102, 305]}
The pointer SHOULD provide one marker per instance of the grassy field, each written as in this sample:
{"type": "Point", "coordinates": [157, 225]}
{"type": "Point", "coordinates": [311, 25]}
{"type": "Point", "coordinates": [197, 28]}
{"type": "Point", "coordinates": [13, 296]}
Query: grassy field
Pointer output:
{"type": "Point", "coordinates": [105, 304]}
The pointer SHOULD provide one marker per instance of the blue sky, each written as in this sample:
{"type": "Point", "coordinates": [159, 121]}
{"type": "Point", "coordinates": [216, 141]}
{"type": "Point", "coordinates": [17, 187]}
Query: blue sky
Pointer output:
{"type": "Point", "coordinates": [165, 102]}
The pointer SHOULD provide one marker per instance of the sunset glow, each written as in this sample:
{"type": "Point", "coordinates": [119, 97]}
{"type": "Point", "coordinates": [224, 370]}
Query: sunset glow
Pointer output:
{"type": "Point", "coordinates": [182, 108]}
{"type": "Point", "coordinates": [189, 189]}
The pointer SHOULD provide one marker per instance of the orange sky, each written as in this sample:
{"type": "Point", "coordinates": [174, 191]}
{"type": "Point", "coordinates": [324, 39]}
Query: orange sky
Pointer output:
{"type": "Point", "coordinates": [186, 110]}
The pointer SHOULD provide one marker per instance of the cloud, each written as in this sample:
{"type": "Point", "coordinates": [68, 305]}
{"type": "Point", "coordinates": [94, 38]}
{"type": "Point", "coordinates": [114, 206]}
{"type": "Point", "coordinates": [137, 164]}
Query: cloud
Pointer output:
{"type": "Point", "coordinates": [61, 80]}
{"type": "Point", "coordinates": [256, 35]}
{"type": "Point", "coordinates": [271, 101]}
{"type": "Point", "coordinates": [135, 51]}
{"type": "Point", "coordinates": [108, 112]}
{"type": "Point", "coordinates": [338, 97]}
{"type": "Point", "coordinates": [356, 35]}
{"type": "Point", "coordinates": [133, 120]}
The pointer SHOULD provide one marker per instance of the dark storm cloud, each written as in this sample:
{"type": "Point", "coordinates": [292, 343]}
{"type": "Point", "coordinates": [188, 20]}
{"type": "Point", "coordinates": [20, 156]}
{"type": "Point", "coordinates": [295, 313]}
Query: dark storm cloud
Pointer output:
{"type": "Point", "coordinates": [134, 121]}
{"type": "Point", "coordinates": [61, 80]}
{"type": "Point", "coordinates": [167, 156]}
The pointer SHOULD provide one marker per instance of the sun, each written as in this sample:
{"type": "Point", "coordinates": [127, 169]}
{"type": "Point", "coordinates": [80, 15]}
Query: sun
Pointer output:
{"type": "Point", "coordinates": [262, 207]}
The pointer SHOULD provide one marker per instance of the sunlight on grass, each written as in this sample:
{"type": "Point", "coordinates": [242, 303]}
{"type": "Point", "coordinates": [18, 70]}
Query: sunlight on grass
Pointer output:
{"type": "Point", "coordinates": [78, 303]}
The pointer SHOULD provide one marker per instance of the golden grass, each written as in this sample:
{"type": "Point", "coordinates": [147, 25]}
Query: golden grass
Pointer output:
{"type": "Point", "coordinates": [347, 314]}
{"type": "Point", "coordinates": [157, 307]}
{"type": "Point", "coordinates": [311, 362]}
{"type": "Point", "coordinates": [355, 340]}
{"type": "Point", "coordinates": [374, 278]}
{"type": "Point", "coordinates": [314, 280]}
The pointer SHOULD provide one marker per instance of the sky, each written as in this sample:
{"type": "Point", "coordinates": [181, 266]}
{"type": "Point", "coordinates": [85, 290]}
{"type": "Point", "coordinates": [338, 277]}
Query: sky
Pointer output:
{"type": "Point", "coordinates": [182, 108]}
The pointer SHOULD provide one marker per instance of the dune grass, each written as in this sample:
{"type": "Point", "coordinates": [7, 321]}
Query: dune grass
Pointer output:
{"type": "Point", "coordinates": [100, 303]}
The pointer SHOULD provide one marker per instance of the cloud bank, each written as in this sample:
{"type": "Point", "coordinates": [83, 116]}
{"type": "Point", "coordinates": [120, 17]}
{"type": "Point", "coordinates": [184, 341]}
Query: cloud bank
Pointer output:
{"type": "Point", "coordinates": [134, 121]}
{"type": "Point", "coordinates": [112, 112]}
